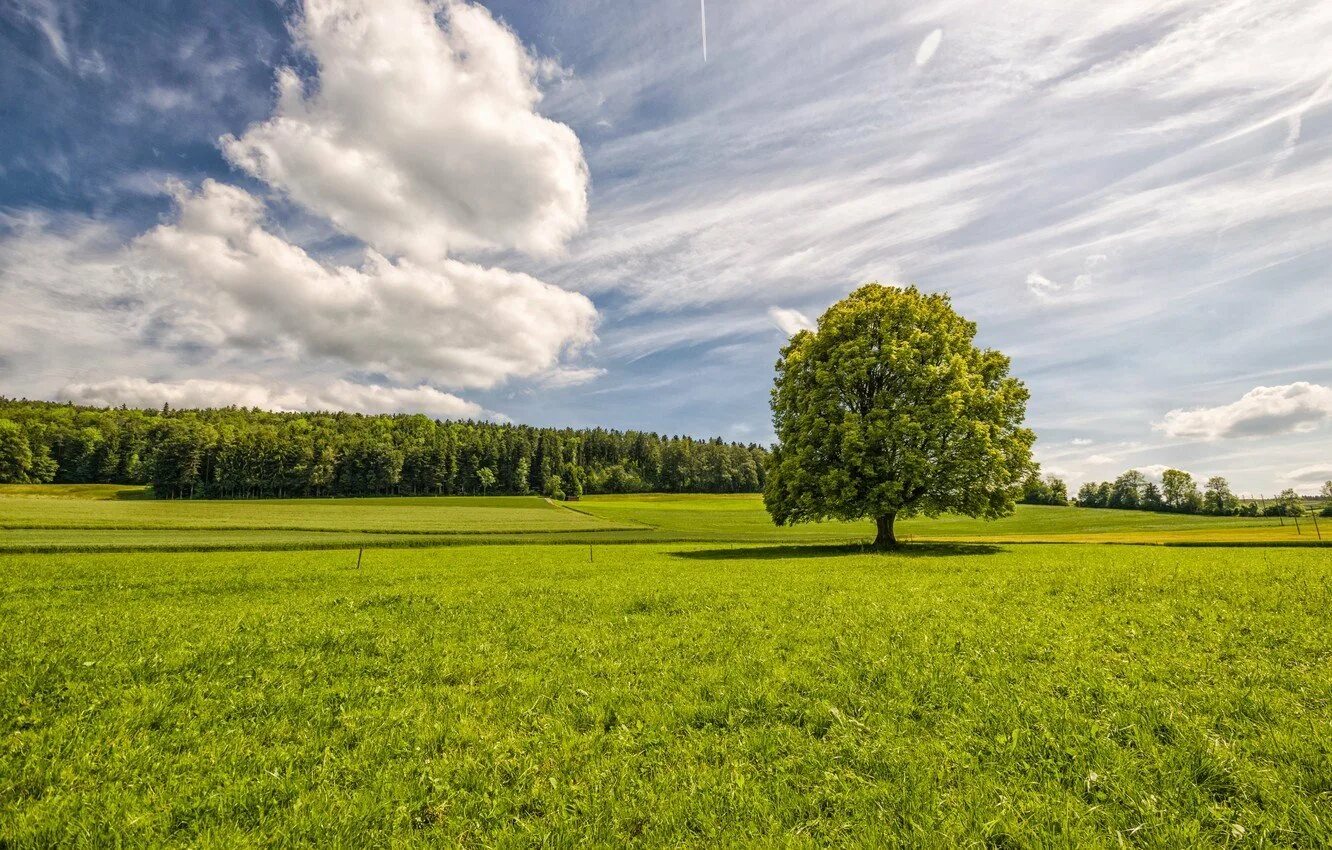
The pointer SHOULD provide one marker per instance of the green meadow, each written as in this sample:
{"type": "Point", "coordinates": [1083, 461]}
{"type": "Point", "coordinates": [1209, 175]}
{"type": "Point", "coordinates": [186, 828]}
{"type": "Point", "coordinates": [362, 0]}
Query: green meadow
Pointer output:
{"type": "Point", "coordinates": [653, 670]}
{"type": "Point", "coordinates": [115, 518]}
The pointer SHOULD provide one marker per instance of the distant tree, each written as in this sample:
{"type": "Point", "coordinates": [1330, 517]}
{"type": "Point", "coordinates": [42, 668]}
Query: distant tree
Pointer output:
{"type": "Point", "coordinates": [1179, 492]}
{"type": "Point", "coordinates": [1058, 490]}
{"type": "Point", "coordinates": [1151, 498]}
{"type": "Point", "coordinates": [15, 454]}
{"type": "Point", "coordinates": [1326, 492]}
{"type": "Point", "coordinates": [889, 409]}
{"type": "Point", "coordinates": [1127, 491]}
{"type": "Point", "coordinates": [1090, 496]}
{"type": "Point", "coordinates": [522, 471]}
{"type": "Point", "coordinates": [1034, 490]}
{"type": "Point", "coordinates": [571, 482]}
{"type": "Point", "coordinates": [1103, 492]}
{"type": "Point", "coordinates": [1218, 500]}
{"type": "Point", "coordinates": [44, 467]}
{"type": "Point", "coordinates": [1050, 490]}
{"type": "Point", "coordinates": [1290, 503]}
{"type": "Point", "coordinates": [485, 476]}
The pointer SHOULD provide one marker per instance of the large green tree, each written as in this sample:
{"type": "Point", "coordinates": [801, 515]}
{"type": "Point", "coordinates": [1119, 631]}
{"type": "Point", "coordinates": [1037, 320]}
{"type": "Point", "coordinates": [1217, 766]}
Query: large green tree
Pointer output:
{"type": "Point", "coordinates": [889, 409]}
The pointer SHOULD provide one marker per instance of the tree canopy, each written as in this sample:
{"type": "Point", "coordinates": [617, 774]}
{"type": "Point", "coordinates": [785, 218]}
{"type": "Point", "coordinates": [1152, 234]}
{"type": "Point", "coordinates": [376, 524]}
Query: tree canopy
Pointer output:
{"type": "Point", "coordinates": [889, 410]}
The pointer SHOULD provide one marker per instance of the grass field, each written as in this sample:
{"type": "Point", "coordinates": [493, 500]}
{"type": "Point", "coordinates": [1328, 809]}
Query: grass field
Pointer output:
{"type": "Point", "coordinates": [686, 675]}
{"type": "Point", "coordinates": [668, 694]}
{"type": "Point", "coordinates": [102, 518]}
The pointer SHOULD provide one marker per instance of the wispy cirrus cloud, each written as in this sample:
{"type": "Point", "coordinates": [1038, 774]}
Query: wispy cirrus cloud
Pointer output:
{"type": "Point", "coordinates": [789, 321]}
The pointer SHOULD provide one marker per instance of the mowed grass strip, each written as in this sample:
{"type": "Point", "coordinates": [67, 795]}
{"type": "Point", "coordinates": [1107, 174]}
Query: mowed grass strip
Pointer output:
{"type": "Point", "coordinates": [668, 695]}
{"type": "Point", "coordinates": [463, 514]}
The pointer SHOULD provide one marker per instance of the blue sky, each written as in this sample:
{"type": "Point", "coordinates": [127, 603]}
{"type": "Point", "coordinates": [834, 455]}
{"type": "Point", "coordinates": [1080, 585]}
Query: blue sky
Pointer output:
{"type": "Point", "coordinates": [561, 214]}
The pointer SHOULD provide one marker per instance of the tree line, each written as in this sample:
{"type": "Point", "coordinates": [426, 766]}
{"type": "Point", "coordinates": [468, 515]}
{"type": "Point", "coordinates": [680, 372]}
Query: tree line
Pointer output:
{"type": "Point", "coordinates": [1177, 493]}
{"type": "Point", "coordinates": [231, 452]}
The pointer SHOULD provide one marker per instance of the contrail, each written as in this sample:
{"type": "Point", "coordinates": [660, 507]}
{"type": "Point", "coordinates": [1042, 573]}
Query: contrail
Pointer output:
{"type": "Point", "coordinates": [703, 22]}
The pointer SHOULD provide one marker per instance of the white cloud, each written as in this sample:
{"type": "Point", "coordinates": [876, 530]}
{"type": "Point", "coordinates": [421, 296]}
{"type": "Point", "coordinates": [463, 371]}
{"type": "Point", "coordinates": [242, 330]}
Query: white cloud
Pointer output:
{"type": "Point", "coordinates": [1048, 290]}
{"type": "Point", "coordinates": [790, 321]}
{"type": "Point", "coordinates": [1261, 412]}
{"type": "Point", "coordinates": [229, 282]}
{"type": "Point", "coordinates": [333, 395]}
{"type": "Point", "coordinates": [1101, 460]}
{"type": "Point", "coordinates": [1041, 286]}
{"type": "Point", "coordinates": [1080, 441]}
{"type": "Point", "coordinates": [66, 301]}
{"type": "Point", "coordinates": [420, 135]}
{"type": "Point", "coordinates": [1156, 471]}
{"type": "Point", "coordinates": [928, 47]}
{"type": "Point", "coordinates": [570, 376]}
{"type": "Point", "coordinates": [1313, 475]}
{"type": "Point", "coordinates": [213, 283]}
{"type": "Point", "coordinates": [45, 16]}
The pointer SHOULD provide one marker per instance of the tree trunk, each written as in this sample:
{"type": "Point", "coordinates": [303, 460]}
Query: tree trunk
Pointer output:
{"type": "Point", "coordinates": [885, 539]}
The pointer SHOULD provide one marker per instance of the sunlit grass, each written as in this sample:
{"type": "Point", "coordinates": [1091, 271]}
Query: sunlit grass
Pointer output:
{"type": "Point", "coordinates": [696, 694]}
{"type": "Point", "coordinates": [30, 522]}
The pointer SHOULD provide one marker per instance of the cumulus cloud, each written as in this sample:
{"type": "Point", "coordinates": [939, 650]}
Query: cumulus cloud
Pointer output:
{"type": "Point", "coordinates": [790, 321]}
{"type": "Point", "coordinates": [230, 282]}
{"type": "Point", "coordinates": [928, 47]}
{"type": "Point", "coordinates": [214, 283]}
{"type": "Point", "coordinates": [420, 134]}
{"type": "Point", "coordinates": [334, 395]}
{"type": "Point", "coordinates": [1261, 412]}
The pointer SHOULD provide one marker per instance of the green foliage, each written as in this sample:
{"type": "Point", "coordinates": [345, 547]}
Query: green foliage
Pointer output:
{"type": "Point", "coordinates": [1152, 499]}
{"type": "Point", "coordinates": [1288, 503]}
{"type": "Point", "coordinates": [666, 695]}
{"type": "Point", "coordinates": [485, 476]}
{"type": "Point", "coordinates": [235, 453]}
{"type": "Point", "coordinates": [1218, 500]}
{"type": "Point", "coordinates": [1050, 490]}
{"type": "Point", "coordinates": [1179, 492]}
{"type": "Point", "coordinates": [1128, 491]}
{"type": "Point", "coordinates": [15, 454]}
{"type": "Point", "coordinates": [890, 409]}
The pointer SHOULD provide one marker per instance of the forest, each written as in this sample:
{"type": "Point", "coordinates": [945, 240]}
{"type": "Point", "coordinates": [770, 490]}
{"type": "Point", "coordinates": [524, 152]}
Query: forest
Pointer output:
{"type": "Point", "coordinates": [233, 453]}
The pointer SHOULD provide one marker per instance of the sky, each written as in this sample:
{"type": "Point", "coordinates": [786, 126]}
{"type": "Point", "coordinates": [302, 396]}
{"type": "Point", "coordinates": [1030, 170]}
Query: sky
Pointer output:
{"type": "Point", "coordinates": [563, 213]}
